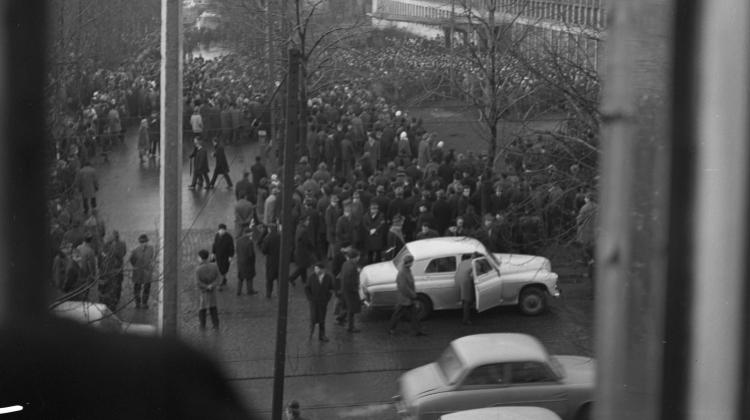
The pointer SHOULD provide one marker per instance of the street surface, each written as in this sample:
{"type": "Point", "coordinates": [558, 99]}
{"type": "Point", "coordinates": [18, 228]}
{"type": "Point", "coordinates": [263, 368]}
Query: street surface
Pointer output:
{"type": "Point", "coordinates": [354, 375]}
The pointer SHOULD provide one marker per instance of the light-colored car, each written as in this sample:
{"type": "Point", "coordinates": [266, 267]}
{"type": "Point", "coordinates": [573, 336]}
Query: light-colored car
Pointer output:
{"type": "Point", "coordinates": [499, 279]}
{"type": "Point", "coordinates": [99, 316]}
{"type": "Point", "coordinates": [501, 369]}
{"type": "Point", "coordinates": [503, 413]}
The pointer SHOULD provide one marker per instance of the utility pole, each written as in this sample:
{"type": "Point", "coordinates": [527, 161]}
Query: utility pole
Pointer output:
{"type": "Point", "coordinates": [271, 72]}
{"type": "Point", "coordinates": [171, 162]}
{"type": "Point", "coordinates": [290, 145]}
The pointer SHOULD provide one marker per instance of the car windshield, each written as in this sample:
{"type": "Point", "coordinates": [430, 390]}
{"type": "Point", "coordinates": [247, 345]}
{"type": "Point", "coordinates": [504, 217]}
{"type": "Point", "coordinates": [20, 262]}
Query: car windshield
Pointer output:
{"type": "Point", "coordinates": [556, 367]}
{"type": "Point", "coordinates": [400, 257]}
{"type": "Point", "coordinates": [450, 365]}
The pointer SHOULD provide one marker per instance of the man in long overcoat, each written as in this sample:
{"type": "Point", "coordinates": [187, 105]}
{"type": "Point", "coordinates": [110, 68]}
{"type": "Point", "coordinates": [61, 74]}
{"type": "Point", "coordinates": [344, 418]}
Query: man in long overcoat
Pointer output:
{"type": "Point", "coordinates": [223, 250]}
{"type": "Point", "coordinates": [207, 279]}
{"type": "Point", "coordinates": [142, 259]}
{"type": "Point", "coordinates": [406, 301]}
{"type": "Point", "coordinates": [88, 185]}
{"type": "Point", "coordinates": [465, 283]}
{"type": "Point", "coordinates": [246, 261]}
{"type": "Point", "coordinates": [271, 248]}
{"type": "Point", "coordinates": [318, 289]}
{"type": "Point", "coordinates": [200, 165]}
{"type": "Point", "coordinates": [304, 251]}
{"type": "Point", "coordinates": [350, 288]}
{"type": "Point", "coordinates": [221, 166]}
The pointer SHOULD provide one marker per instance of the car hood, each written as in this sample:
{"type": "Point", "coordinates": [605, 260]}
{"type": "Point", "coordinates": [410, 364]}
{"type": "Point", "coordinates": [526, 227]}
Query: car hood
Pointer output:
{"type": "Point", "coordinates": [419, 382]}
{"type": "Point", "coordinates": [578, 369]}
{"type": "Point", "coordinates": [139, 329]}
{"type": "Point", "coordinates": [379, 273]}
{"type": "Point", "coordinates": [513, 263]}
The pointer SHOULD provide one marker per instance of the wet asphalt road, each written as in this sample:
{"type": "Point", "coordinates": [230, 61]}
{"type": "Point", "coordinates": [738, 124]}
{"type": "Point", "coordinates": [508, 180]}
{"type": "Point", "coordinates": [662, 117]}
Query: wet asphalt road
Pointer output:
{"type": "Point", "coordinates": [354, 375]}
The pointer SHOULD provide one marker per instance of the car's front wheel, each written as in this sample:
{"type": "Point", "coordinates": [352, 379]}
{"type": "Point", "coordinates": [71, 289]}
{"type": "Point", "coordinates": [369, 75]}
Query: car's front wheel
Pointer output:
{"type": "Point", "coordinates": [533, 300]}
{"type": "Point", "coordinates": [424, 306]}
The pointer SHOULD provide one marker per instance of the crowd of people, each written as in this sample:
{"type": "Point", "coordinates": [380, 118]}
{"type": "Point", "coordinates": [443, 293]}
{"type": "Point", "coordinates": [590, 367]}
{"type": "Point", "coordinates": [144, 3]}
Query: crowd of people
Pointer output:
{"type": "Point", "coordinates": [369, 177]}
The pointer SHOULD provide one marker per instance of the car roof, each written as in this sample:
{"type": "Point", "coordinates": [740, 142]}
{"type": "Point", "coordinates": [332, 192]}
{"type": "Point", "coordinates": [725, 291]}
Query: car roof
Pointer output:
{"type": "Point", "coordinates": [503, 413]}
{"type": "Point", "coordinates": [81, 311]}
{"type": "Point", "coordinates": [481, 349]}
{"type": "Point", "coordinates": [447, 245]}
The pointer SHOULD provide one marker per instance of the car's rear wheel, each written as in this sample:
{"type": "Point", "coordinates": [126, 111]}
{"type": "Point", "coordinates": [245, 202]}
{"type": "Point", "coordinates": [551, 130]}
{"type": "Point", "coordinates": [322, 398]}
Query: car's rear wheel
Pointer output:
{"type": "Point", "coordinates": [424, 307]}
{"type": "Point", "coordinates": [533, 300]}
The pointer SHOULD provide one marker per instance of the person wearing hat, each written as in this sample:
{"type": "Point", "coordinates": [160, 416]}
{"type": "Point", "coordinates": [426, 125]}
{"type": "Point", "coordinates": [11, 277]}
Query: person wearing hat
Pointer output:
{"type": "Point", "coordinates": [246, 261]}
{"type": "Point", "coordinates": [375, 234]}
{"type": "Point", "coordinates": [142, 260]}
{"type": "Point", "coordinates": [318, 289]}
{"type": "Point", "coordinates": [223, 251]}
{"type": "Point", "coordinates": [207, 279]}
{"type": "Point", "coordinates": [350, 288]}
{"type": "Point", "coordinates": [293, 411]}
{"type": "Point", "coordinates": [221, 165]}
{"type": "Point", "coordinates": [406, 301]}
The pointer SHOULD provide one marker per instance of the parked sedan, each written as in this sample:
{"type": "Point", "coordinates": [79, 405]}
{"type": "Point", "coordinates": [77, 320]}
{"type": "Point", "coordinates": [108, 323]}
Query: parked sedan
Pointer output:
{"type": "Point", "coordinates": [502, 369]}
{"type": "Point", "coordinates": [99, 316]}
{"type": "Point", "coordinates": [499, 279]}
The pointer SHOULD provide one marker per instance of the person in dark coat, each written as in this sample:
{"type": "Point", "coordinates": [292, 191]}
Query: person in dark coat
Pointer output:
{"type": "Point", "coordinates": [375, 234]}
{"type": "Point", "coordinates": [223, 251]}
{"type": "Point", "coordinates": [406, 305]}
{"type": "Point", "coordinates": [221, 167]}
{"type": "Point", "coordinates": [350, 289]}
{"type": "Point", "coordinates": [207, 276]}
{"type": "Point", "coordinates": [142, 259]}
{"type": "Point", "coordinates": [246, 261]}
{"type": "Point", "coordinates": [200, 165]}
{"type": "Point", "coordinates": [442, 213]}
{"type": "Point", "coordinates": [304, 251]}
{"type": "Point", "coordinates": [258, 170]}
{"type": "Point", "coordinates": [88, 184]}
{"type": "Point", "coordinates": [318, 289]}
{"type": "Point", "coordinates": [271, 248]}
{"type": "Point", "coordinates": [245, 188]}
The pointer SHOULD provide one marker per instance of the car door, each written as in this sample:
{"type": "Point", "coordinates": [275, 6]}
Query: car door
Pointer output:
{"type": "Point", "coordinates": [438, 282]}
{"type": "Point", "coordinates": [532, 383]}
{"type": "Point", "coordinates": [487, 284]}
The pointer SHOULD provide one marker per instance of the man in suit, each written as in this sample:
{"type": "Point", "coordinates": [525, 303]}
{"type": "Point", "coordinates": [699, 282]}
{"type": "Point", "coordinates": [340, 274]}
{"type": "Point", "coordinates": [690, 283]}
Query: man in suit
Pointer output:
{"type": "Point", "coordinates": [258, 170]}
{"type": "Point", "coordinates": [246, 260]}
{"type": "Point", "coordinates": [200, 165]}
{"type": "Point", "coordinates": [318, 289]}
{"type": "Point", "coordinates": [271, 248]}
{"type": "Point", "coordinates": [245, 188]}
{"type": "Point", "coordinates": [142, 259]}
{"type": "Point", "coordinates": [244, 214]}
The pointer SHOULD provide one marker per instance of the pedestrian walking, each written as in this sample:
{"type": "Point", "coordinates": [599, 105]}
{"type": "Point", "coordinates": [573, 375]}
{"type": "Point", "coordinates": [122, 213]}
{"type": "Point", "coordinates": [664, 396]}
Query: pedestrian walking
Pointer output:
{"type": "Point", "coordinates": [406, 300]}
{"type": "Point", "coordinates": [465, 283]}
{"type": "Point", "coordinates": [207, 279]}
{"type": "Point", "coordinates": [350, 289]}
{"type": "Point", "coordinates": [142, 260]}
{"type": "Point", "coordinates": [246, 261]}
{"type": "Point", "coordinates": [221, 166]}
{"type": "Point", "coordinates": [271, 248]}
{"type": "Point", "coordinates": [318, 289]}
{"type": "Point", "coordinates": [223, 251]}
{"type": "Point", "coordinates": [199, 161]}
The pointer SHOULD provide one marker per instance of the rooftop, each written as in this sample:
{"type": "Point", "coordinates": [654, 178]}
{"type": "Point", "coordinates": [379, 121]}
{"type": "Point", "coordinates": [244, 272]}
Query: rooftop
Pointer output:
{"type": "Point", "coordinates": [447, 245]}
